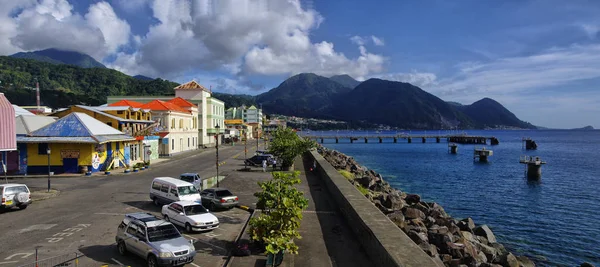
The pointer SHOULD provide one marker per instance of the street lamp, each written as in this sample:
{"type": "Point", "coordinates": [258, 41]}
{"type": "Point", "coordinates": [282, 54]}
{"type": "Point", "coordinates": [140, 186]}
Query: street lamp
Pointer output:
{"type": "Point", "coordinates": [48, 152]}
{"type": "Point", "coordinates": [257, 137]}
{"type": "Point", "coordinates": [245, 148]}
{"type": "Point", "coordinates": [217, 146]}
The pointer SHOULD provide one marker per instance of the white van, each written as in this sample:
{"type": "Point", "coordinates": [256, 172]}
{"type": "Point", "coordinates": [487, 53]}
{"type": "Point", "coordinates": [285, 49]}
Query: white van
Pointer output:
{"type": "Point", "coordinates": [165, 190]}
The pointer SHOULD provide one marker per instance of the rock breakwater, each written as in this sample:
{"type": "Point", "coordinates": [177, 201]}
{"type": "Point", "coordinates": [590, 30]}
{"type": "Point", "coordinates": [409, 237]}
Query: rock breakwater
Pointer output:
{"type": "Point", "coordinates": [450, 241]}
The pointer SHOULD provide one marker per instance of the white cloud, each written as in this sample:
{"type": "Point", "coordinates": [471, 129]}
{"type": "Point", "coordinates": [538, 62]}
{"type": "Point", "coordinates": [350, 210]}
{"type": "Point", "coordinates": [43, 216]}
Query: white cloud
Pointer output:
{"type": "Point", "coordinates": [357, 40]}
{"type": "Point", "coordinates": [420, 79]}
{"type": "Point", "coordinates": [377, 41]}
{"type": "Point", "coordinates": [590, 30]}
{"type": "Point", "coordinates": [53, 24]}
{"type": "Point", "coordinates": [241, 37]}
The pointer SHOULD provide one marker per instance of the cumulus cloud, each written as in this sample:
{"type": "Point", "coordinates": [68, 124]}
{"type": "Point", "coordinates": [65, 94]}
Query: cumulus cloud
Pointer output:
{"type": "Point", "coordinates": [53, 24]}
{"type": "Point", "coordinates": [242, 37]}
{"type": "Point", "coordinates": [357, 40]}
{"type": "Point", "coordinates": [377, 41]}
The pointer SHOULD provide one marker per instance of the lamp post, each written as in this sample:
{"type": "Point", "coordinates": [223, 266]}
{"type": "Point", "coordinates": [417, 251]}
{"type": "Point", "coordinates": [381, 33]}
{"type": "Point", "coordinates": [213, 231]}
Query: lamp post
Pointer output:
{"type": "Point", "coordinates": [217, 146]}
{"type": "Point", "coordinates": [48, 152]}
{"type": "Point", "coordinates": [245, 148]}
{"type": "Point", "coordinates": [257, 138]}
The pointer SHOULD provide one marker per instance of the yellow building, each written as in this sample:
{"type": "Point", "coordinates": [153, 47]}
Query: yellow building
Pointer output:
{"type": "Point", "coordinates": [129, 120]}
{"type": "Point", "coordinates": [74, 143]}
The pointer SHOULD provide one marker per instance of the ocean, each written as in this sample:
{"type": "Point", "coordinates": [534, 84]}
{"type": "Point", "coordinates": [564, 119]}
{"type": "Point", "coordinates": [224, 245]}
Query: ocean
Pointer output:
{"type": "Point", "coordinates": [555, 221]}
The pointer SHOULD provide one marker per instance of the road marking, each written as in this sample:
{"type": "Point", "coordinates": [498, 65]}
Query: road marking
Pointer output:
{"type": "Point", "coordinates": [108, 213]}
{"type": "Point", "coordinates": [195, 265]}
{"type": "Point", "coordinates": [7, 262]}
{"type": "Point", "coordinates": [213, 235]}
{"type": "Point", "coordinates": [66, 232]}
{"type": "Point", "coordinates": [37, 227]}
{"type": "Point", "coordinates": [113, 259]}
{"type": "Point", "coordinates": [208, 243]}
{"type": "Point", "coordinates": [17, 254]}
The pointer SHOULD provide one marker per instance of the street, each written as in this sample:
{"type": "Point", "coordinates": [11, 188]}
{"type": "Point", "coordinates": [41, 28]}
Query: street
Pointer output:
{"type": "Point", "coordinates": [85, 216]}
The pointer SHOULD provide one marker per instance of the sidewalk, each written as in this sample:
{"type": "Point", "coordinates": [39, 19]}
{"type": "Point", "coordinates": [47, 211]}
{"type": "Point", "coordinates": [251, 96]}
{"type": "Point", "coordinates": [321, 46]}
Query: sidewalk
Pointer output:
{"type": "Point", "coordinates": [326, 238]}
{"type": "Point", "coordinates": [119, 171]}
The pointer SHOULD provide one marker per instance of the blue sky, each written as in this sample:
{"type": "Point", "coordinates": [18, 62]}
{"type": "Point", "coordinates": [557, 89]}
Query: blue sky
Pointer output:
{"type": "Point", "coordinates": [541, 59]}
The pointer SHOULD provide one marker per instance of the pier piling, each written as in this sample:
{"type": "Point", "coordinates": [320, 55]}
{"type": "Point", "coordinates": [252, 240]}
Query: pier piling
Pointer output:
{"type": "Point", "coordinates": [409, 140]}
{"type": "Point", "coordinates": [424, 139]}
{"type": "Point", "coordinates": [533, 166]}
{"type": "Point", "coordinates": [337, 140]}
{"type": "Point", "coordinates": [322, 140]}
{"type": "Point", "coordinates": [437, 139]}
{"type": "Point", "coordinates": [380, 140]}
{"type": "Point", "coordinates": [529, 144]}
{"type": "Point", "coordinates": [482, 154]}
{"type": "Point", "coordinates": [395, 140]}
{"type": "Point", "coordinates": [452, 148]}
{"type": "Point", "coordinates": [366, 140]}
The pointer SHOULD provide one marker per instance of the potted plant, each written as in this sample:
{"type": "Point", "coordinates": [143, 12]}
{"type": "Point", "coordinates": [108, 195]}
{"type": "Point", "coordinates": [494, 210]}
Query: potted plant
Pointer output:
{"type": "Point", "coordinates": [127, 169]}
{"type": "Point", "coordinates": [277, 226]}
{"type": "Point", "coordinates": [287, 146]}
{"type": "Point", "coordinates": [147, 164]}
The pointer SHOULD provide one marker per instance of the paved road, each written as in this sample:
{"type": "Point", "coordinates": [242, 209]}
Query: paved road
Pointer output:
{"type": "Point", "coordinates": [85, 216]}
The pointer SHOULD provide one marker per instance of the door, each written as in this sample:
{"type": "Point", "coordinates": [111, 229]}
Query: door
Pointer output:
{"type": "Point", "coordinates": [131, 239]}
{"type": "Point", "coordinates": [127, 154]}
{"type": "Point", "coordinates": [197, 182]}
{"type": "Point", "coordinates": [70, 165]}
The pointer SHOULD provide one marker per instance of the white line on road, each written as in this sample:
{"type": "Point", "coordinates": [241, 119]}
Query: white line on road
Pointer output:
{"type": "Point", "coordinates": [208, 243]}
{"type": "Point", "coordinates": [113, 259]}
{"type": "Point", "coordinates": [7, 262]}
{"type": "Point", "coordinates": [108, 213]}
{"type": "Point", "coordinates": [195, 265]}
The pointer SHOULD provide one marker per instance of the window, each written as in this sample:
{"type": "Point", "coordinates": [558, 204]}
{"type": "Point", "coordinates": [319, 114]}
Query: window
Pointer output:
{"type": "Point", "coordinates": [109, 124]}
{"type": "Point", "coordinates": [156, 186]}
{"type": "Point", "coordinates": [162, 232]}
{"type": "Point", "coordinates": [42, 148]}
{"type": "Point", "coordinates": [120, 112]}
{"type": "Point", "coordinates": [172, 144]}
{"type": "Point", "coordinates": [164, 188]}
{"type": "Point", "coordinates": [187, 190]}
{"type": "Point", "coordinates": [132, 229]}
{"type": "Point", "coordinates": [141, 233]}
{"type": "Point", "coordinates": [173, 123]}
{"type": "Point", "coordinates": [173, 191]}
{"type": "Point", "coordinates": [180, 123]}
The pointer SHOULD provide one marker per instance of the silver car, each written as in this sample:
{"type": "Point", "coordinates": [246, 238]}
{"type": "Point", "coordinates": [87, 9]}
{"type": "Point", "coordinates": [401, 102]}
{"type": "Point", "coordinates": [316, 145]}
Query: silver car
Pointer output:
{"type": "Point", "coordinates": [154, 239]}
{"type": "Point", "coordinates": [14, 195]}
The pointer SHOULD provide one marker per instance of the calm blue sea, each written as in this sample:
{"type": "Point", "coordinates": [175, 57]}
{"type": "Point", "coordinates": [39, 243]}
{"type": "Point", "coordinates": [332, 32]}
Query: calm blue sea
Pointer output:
{"type": "Point", "coordinates": [556, 221]}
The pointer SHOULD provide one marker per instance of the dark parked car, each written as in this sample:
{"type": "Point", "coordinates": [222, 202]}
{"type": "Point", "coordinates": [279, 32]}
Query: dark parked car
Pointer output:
{"type": "Point", "coordinates": [218, 198]}
{"type": "Point", "coordinates": [257, 160]}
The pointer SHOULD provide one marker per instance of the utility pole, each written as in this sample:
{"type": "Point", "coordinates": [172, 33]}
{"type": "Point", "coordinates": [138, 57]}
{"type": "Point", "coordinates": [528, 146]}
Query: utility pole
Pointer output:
{"type": "Point", "coordinates": [37, 91]}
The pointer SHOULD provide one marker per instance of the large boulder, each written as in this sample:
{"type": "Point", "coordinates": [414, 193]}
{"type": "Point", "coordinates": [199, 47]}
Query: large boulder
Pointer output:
{"type": "Point", "coordinates": [509, 260]}
{"type": "Point", "coordinates": [398, 218]}
{"type": "Point", "coordinates": [411, 213]}
{"type": "Point", "coordinates": [586, 264]}
{"type": "Point", "coordinates": [525, 262]}
{"type": "Point", "coordinates": [466, 224]}
{"type": "Point", "coordinates": [412, 199]}
{"type": "Point", "coordinates": [490, 253]}
{"type": "Point", "coordinates": [365, 181]}
{"type": "Point", "coordinates": [436, 211]}
{"type": "Point", "coordinates": [440, 240]}
{"type": "Point", "coordinates": [485, 231]}
{"type": "Point", "coordinates": [417, 237]}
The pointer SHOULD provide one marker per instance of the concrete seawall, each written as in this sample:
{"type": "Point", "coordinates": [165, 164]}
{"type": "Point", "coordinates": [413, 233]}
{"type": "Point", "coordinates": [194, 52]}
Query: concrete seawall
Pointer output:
{"type": "Point", "coordinates": [383, 241]}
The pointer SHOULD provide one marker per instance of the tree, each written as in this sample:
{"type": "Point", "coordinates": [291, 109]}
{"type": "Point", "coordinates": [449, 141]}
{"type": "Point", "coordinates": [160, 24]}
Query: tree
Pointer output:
{"type": "Point", "coordinates": [287, 145]}
{"type": "Point", "coordinates": [277, 226]}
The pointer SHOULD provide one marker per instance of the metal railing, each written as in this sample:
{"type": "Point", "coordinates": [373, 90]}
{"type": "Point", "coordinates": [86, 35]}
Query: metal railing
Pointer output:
{"type": "Point", "coordinates": [69, 259]}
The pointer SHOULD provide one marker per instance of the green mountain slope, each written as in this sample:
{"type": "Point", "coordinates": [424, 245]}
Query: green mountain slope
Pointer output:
{"type": "Point", "coordinates": [398, 104]}
{"type": "Point", "coordinates": [64, 85]}
{"type": "Point", "coordinates": [488, 113]}
{"type": "Point", "coordinates": [303, 95]}
{"type": "Point", "coordinates": [345, 80]}
{"type": "Point", "coordinates": [56, 56]}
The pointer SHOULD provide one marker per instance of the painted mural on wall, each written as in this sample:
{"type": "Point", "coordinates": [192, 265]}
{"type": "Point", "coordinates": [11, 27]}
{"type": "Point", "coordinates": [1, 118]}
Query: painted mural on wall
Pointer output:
{"type": "Point", "coordinates": [153, 148]}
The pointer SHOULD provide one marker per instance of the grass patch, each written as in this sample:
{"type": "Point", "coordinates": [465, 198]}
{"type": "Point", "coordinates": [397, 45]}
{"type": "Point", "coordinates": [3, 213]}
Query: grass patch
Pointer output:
{"type": "Point", "coordinates": [363, 190]}
{"type": "Point", "coordinates": [347, 174]}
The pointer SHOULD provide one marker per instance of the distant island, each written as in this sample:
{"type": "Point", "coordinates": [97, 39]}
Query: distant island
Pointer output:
{"type": "Point", "coordinates": [586, 128]}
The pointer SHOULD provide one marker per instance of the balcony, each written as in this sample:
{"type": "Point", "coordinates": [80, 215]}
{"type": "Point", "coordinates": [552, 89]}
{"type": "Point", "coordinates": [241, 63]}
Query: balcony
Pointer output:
{"type": "Point", "coordinates": [214, 131]}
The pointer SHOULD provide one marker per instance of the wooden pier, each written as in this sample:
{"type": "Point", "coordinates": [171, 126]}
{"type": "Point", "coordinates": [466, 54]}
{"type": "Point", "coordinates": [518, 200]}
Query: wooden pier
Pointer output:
{"type": "Point", "coordinates": [482, 154]}
{"type": "Point", "coordinates": [533, 166]}
{"type": "Point", "coordinates": [459, 139]}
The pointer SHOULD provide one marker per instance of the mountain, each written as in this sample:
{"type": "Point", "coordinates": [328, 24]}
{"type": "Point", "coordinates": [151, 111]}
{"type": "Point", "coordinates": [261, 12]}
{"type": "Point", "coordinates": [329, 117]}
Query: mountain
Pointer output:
{"type": "Point", "coordinates": [487, 113]}
{"type": "Point", "coordinates": [397, 104]}
{"type": "Point", "coordinates": [303, 95]}
{"type": "Point", "coordinates": [55, 56]}
{"type": "Point", "coordinates": [142, 78]}
{"type": "Point", "coordinates": [586, 128]}
{"type": "Point", "coordinates": [345, 80]}
{"type": "Point", "coordinates": [235, 100]}
{"type": "Point", "coordinates": [63, 85]}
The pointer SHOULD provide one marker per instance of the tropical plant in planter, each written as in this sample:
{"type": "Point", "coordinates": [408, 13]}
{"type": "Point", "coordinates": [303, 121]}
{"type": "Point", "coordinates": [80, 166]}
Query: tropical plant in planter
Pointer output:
{"type": "Point", "coordinates": [287, 145]}
{"type": "Point", "coordinates": [282, 203]}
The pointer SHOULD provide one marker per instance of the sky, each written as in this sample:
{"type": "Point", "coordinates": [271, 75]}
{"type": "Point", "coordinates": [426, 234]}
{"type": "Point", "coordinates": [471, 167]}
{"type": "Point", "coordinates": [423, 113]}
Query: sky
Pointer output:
{"type": "Point", "coordinates": [539, 58]}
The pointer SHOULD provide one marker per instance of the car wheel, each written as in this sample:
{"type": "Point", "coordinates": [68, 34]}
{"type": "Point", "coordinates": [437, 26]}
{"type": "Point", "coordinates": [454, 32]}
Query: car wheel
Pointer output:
{"type": "Point", "coordinates": [121, 247]}
{"type": "Point", "coordinates": [166, 218]}
{"type": "Point", "coordinates": [211, 206]}
{"type": "Point", "coordinates": [155, 200]}
{"type": "Point", "coordinates": [231, 207]}
{"type": "Point", "coordinates": [23, 207]}
{"type": "Point", "coordinates": [188, 228]}
{"type": "Point", "coordinates": [152, 261]}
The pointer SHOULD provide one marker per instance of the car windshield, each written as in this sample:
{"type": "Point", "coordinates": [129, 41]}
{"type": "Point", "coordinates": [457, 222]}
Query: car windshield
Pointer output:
{"type": "Point", "coordinates": [194, 210]}
{"type": "Point", "coordinates": [223, 193]}
{"type": "Point", "coordinates": [162, 232]}
{"type": "Point", "coordinates": [187, 190]}
{"type": "Point", "coordinates": [188, 179]}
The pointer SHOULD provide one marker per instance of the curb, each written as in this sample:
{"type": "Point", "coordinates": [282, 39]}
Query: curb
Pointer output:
{"type": "Point", "coordinates": [240, 234]}
{"type": "Point", "coordinates": [46, 197]}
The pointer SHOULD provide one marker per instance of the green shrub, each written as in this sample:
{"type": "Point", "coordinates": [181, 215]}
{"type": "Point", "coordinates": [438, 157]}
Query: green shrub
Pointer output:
{"type": "Point", "coordinates": [363, 190]}
{"type": "Point", "coordinates": [347, 174]}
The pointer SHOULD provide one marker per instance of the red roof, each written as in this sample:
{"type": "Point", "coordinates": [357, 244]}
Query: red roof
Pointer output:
{"type": "Point", "coordinates": [181, 102]}
{"type": "Point", "coordinates": [162, 105]}
{"type": "Point", "coordinates": [127, 103]}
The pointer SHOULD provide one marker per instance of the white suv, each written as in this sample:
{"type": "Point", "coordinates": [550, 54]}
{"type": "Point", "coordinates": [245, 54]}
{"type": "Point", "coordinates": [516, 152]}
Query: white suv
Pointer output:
{"type": "Point", "coordinates": [14, 195]}
{"type": "Point", "coordinates": [154, 239]}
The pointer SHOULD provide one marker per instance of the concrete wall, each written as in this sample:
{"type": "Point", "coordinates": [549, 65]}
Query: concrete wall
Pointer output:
{"type": "Point", "coordinates": [383, 241]}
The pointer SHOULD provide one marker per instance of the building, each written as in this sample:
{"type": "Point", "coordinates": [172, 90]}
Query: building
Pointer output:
{"type": "Point", "coordinates": [273, 124]}
{"type": "Point", "coordinates": [178, 123]}
{"type": "Point", "coordinates": [44, 110]}
{"type": "Point", "coordinates": [130, 121]}
{"type": "Point", "coordinates": [251, 116]}
{"type": "Point", "coordinates": [211, 111]}
{"type": "Point", "coordinates": [7, 131]}
{"type": "Point", "coordinates": [75, 143]}
{"type": "Point", "coordinates": [25, 124]}
{"type": "Point", "coordinates": [21, 111]}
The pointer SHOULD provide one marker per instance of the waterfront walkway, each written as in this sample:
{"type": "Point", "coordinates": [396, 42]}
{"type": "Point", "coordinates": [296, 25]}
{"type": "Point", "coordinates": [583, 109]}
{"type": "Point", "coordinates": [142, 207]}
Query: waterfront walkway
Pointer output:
{"type": "Point", "coordinates": [326, 238]}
